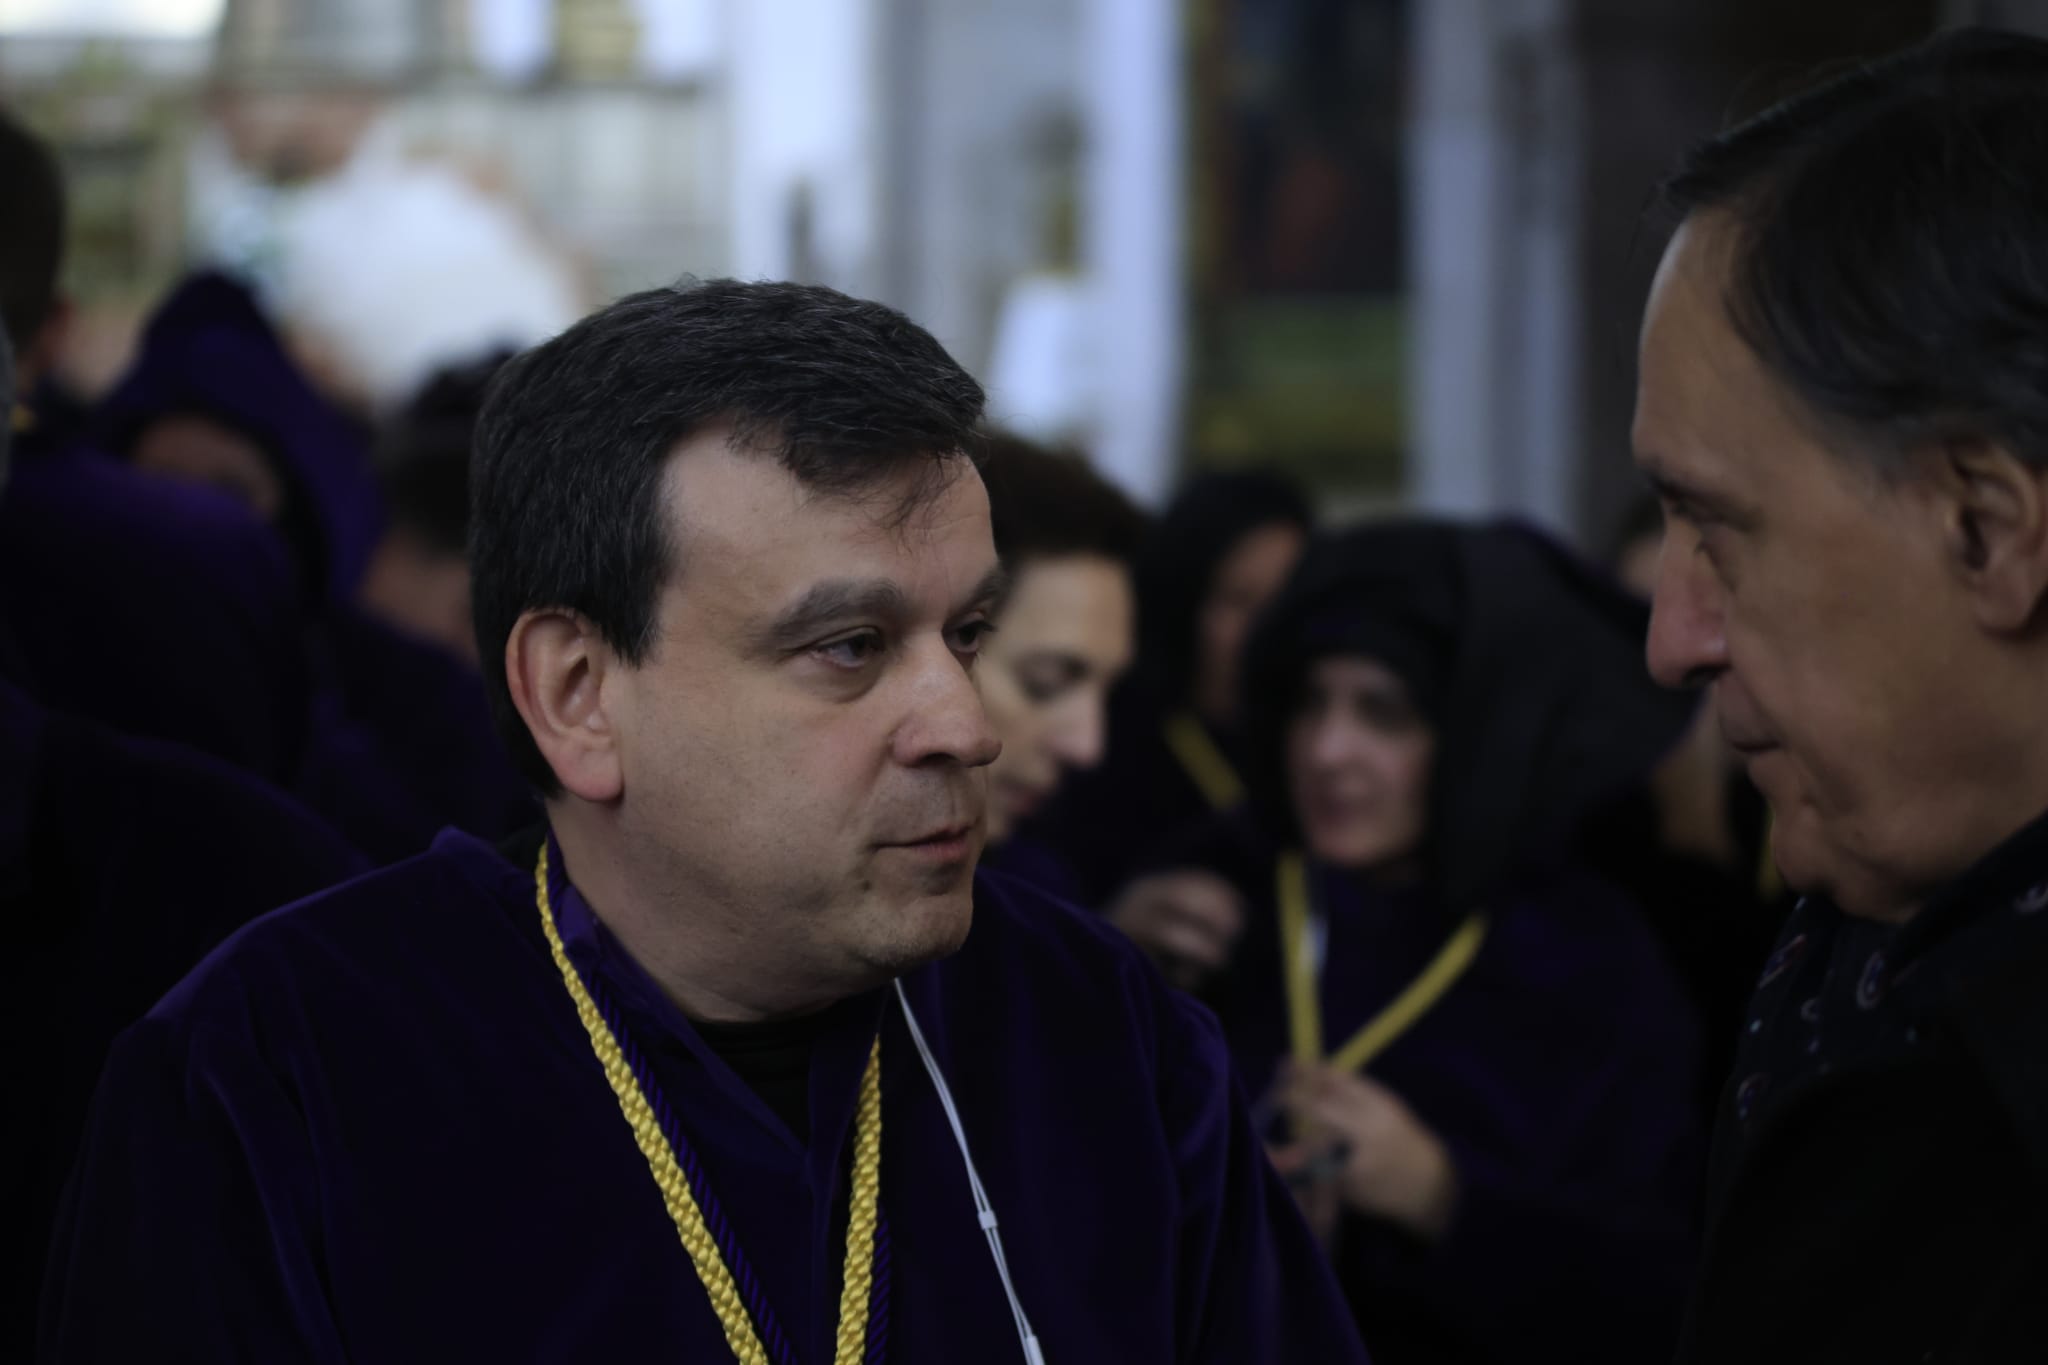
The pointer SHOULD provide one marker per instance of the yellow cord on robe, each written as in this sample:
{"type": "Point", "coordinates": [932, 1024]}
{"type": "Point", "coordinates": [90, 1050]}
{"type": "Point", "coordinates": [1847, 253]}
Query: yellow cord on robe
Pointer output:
{"type": "Point", "coordinates": [1203, 762]}
{"type": "Point", "coordinates": [865, 1199]}
{"type": "Point", "coordinates": [1304, 1002]}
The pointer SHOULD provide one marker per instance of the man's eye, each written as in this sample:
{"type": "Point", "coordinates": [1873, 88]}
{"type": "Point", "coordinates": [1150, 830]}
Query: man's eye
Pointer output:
{"type": "Point", "coordinates": [1045, 682]}
{"type": "Point", "coordinates": [969, 639]}
{"type": "Point", "coordinates": [852, 651]}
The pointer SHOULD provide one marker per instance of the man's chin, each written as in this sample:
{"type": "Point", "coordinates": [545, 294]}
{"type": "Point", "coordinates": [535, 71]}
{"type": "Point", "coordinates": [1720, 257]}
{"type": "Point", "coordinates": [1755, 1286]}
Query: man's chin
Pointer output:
{"type": "Point", "coordinates": [922, 931]}
{"type": "Point", "coordinates": [1809, 865]}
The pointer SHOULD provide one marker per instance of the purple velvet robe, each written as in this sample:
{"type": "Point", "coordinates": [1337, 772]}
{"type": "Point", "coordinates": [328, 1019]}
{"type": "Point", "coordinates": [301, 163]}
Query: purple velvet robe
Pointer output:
{"type": "Point", "coordinates": [371, 1127]}
{"type": "Point", "coordinates": [1031, 860]}
{"type": "Point", "coordinates": [122, 863]}
{"type": "Point", "coordinates": [162, 610]}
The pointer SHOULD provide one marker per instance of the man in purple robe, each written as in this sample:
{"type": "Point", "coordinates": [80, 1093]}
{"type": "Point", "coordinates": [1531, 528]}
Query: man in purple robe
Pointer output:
{"type": "Point", "coordinates": [737, 1056]}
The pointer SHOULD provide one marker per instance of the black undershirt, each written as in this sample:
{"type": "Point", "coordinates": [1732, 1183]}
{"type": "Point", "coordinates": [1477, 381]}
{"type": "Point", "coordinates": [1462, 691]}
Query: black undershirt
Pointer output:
{"type": "Point", "coordinates": [774, 1059]}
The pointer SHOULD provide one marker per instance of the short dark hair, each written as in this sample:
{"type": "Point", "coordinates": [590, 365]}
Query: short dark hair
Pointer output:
{"type": "Point", "coordinates": [1891, 257]}
{"type": "Point", "coordinates": [565, 491]}
{"type": "Point", "coordinates": [1046, 504]}
{"type": "Point", "coordinates": [31, 231]}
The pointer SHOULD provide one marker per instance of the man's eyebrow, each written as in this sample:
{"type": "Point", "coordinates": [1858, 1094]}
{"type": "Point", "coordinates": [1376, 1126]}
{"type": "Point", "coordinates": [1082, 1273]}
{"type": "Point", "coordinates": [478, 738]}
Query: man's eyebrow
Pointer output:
{"type": "Point", "coordinates": [991, 592]}
{"type": "Point", "coordinates": [832, 601]}
{"type": "Point", "coordinates": [1690, 501]}
{"type": "Point", "coordinates": [825, 604]}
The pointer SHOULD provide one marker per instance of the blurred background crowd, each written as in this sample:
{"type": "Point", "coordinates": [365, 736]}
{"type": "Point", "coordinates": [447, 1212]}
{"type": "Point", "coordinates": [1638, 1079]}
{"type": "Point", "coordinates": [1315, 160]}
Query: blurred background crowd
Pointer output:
{"type": "Point", "coordinates": [1391, 247]}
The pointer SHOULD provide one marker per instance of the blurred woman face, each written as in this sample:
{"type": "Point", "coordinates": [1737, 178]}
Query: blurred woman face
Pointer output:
{"type": "Point", "coordinates": [1359, 755]}
{"type": "Point", "coordinates": [194, 449]}
{"type": "Point", "coordinates": [1063, 639]}
{"type": "Point", "coordinates": [1245, 581]}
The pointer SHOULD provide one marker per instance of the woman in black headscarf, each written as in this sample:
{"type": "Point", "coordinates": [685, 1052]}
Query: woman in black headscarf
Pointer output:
{"type": "Point", "coordinates": [1478, 1066]}
{"type": "Point", "coordinates": [1210, 563]}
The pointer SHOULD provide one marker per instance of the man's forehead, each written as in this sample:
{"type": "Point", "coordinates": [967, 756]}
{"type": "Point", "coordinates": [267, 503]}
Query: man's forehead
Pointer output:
{"type": "Point", "coordinates": [714, 485]}
{"type": "Point", "coordinates": [1700, 386]}
{"type": "Point", "coordinates": [748, 524]}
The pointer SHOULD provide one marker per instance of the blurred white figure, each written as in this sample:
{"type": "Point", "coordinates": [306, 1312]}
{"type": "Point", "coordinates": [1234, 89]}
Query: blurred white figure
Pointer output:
{"type": "Point", "coordinates": [679, 39]}
{"type": "Point", "coordinates": [111, 18]}
{"type": "Point", "coordinates": [1041, 373]}
{"type": "Point", "coordinates": [397, 266]}
{"type": "Point", "coordinates": [512, 40]}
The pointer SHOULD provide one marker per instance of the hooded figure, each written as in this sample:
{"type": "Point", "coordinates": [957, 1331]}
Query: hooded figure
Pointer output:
{"type": "Point", "coordinates": [160, 609]}
{"type": "Point", "coordinates": [1476, 1065]}
{"type": "Point", "coordinates": [214, 397]}
{"type": "Point", "coordinates": [399, 734]}
{"type": "Point", "coordinates": [1526, 662]}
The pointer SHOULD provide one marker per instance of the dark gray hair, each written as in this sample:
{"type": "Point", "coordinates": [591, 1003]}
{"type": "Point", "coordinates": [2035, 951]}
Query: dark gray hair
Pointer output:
{"type": "Point", "coordinates": [1891, 257]}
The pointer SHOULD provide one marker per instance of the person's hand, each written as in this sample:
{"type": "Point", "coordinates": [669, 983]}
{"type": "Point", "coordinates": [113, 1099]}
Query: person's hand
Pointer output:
{"type": "Point", "coordinates": [1387, 1163]}
{"type": "Point", "coordinates": [1187, 921]}
{"type": "Point", "coordinates": [1311, 1174]}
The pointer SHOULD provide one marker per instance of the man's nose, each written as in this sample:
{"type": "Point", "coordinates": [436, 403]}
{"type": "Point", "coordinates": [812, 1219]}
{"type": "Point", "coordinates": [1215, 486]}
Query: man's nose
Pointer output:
{"type": "Point", "coordinates": [1688, 643]}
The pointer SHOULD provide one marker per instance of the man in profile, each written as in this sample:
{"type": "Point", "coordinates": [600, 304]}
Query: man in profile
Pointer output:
{"type": "Point", "coordinates": [1844, 403]}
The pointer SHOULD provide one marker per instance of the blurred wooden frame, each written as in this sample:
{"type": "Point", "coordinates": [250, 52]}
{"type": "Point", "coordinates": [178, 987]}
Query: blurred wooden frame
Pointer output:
{"type": "Point", "coordinates": [1296, 125]}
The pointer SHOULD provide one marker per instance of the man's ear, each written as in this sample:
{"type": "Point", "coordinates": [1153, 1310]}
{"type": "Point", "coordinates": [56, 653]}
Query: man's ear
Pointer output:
{"type": "Point", "coordinates": [1994, 510]}
{"type": "Point", "coordinates": [555, 666]}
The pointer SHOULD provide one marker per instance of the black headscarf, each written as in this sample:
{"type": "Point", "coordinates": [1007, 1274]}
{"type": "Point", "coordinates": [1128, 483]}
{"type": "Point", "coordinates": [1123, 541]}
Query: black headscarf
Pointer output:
{"type": "Point", "coordinates": [210, 351]}
{"type": "Point", "coordinates": [1528, 663]}
{"type": "Point", "coordinates": [1177, 567]}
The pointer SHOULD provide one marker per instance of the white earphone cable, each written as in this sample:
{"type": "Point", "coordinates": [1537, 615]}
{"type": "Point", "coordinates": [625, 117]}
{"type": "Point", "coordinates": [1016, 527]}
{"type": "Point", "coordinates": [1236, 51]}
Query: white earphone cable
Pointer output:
{"type": "Point", "coordinates": [1032, 1354]}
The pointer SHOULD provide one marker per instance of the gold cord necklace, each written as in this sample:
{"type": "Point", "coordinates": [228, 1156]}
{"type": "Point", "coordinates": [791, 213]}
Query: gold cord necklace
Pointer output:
{"type": "Point", "coordinates": [1299, 962]}
{"type": "Point", "coordinates": [676, 1196]}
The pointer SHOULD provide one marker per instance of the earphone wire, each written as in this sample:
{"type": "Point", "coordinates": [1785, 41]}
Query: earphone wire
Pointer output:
{"type": "Point", "coordinates": [1033, 1355]}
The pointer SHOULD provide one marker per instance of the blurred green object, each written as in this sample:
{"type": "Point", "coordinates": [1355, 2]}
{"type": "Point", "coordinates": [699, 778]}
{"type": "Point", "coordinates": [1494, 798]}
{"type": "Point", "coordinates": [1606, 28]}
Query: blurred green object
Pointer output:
{"type": "Point", "coordinates": [1314, 385]}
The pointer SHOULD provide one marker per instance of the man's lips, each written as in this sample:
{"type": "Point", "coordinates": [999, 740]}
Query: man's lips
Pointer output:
{"type": "Point", "coordinates": [949, 843]}
{"type": "Point", "coordinates": [942, 834]}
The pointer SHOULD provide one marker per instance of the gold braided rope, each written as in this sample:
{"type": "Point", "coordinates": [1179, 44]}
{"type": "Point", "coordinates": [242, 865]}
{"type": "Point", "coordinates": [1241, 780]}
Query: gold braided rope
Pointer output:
{"type": "Point", "coordinates": [865, 1202]}
{"type": "Point", "coordinates": [1203, 762]}
{"type": "Point", "coordinates": [1383, 1030]}
{"type": "Point", "coordinates": [675, 1187]}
